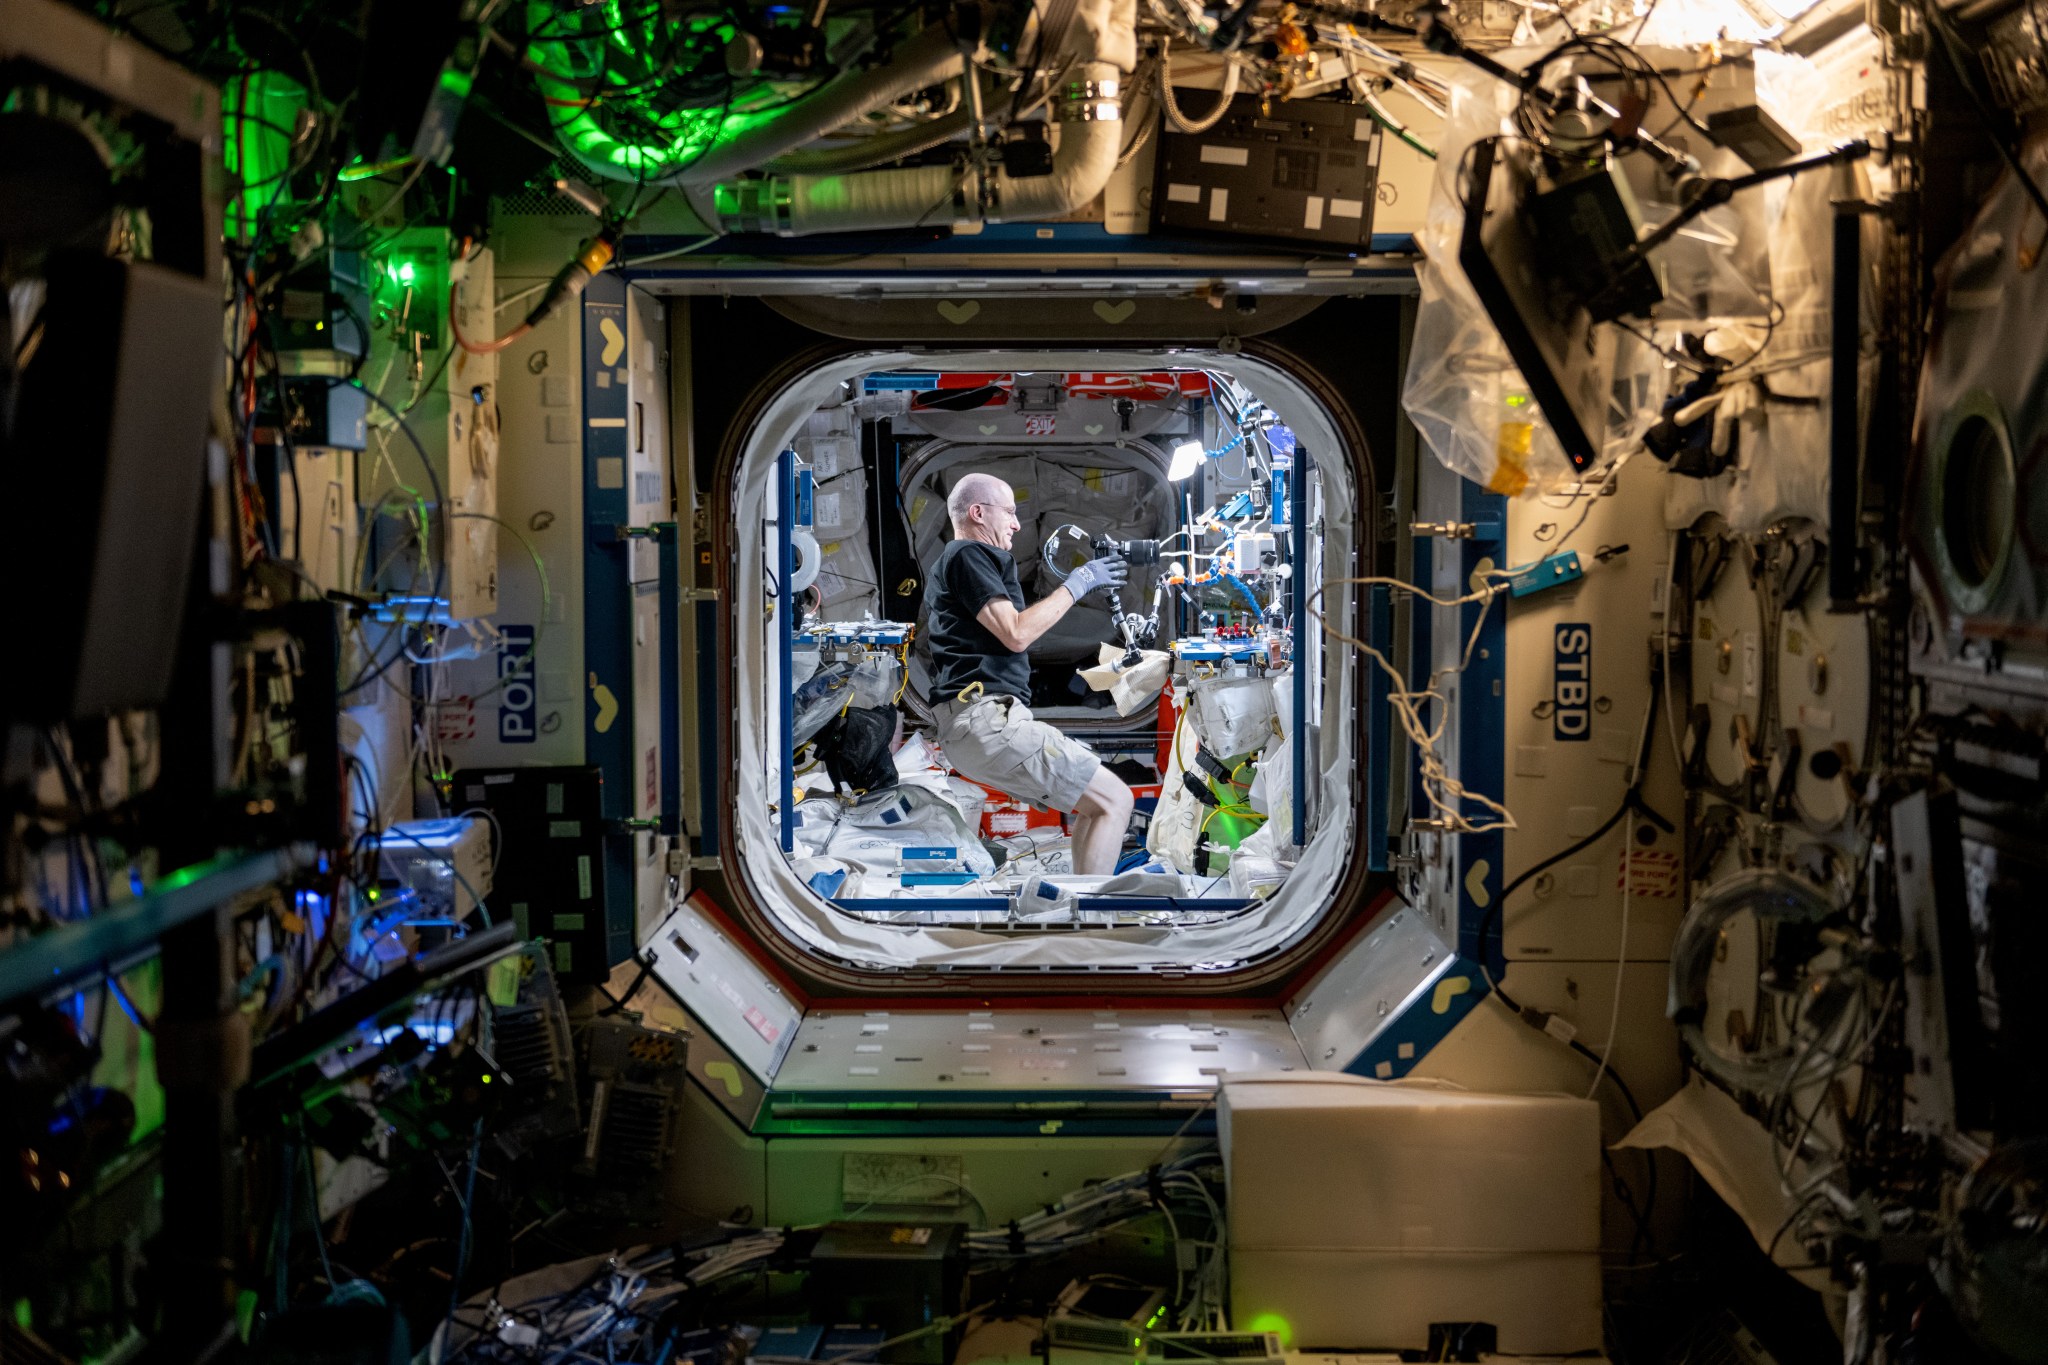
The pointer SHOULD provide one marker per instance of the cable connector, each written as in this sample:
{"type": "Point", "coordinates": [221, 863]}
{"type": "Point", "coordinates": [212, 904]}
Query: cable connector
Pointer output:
{"type": "Point", "coordinates": [575, 277]}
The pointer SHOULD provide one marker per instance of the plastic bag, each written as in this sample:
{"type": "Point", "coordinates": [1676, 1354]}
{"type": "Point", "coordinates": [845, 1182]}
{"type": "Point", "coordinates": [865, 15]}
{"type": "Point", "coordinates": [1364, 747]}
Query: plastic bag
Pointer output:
{"type": "Point", "coordinates": [1463, 392]}
{"type": "Point", "coordinates": [1233, 716]}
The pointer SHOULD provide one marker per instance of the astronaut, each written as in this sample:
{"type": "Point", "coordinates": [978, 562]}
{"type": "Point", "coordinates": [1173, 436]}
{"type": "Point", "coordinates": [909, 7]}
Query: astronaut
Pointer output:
{"type": "Point", "coordinates": [981, 634]}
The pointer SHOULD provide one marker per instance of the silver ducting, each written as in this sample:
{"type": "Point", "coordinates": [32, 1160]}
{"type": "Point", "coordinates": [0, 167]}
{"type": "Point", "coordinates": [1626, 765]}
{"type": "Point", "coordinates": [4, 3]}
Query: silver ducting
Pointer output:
{"type": "Point", "coordinates": [1101, 49]}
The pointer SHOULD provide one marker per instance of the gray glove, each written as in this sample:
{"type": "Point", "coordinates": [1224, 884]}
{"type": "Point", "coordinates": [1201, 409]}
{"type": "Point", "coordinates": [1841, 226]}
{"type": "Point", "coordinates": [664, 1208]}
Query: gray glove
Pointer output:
{"type": "Point", "coordinates": [1110, 571]}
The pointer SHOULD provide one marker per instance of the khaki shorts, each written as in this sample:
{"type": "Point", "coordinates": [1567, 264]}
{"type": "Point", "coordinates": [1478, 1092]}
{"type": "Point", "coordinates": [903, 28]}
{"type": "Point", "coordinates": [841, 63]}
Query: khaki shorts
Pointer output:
{"type": "Point", "coordinates": [995, 741]}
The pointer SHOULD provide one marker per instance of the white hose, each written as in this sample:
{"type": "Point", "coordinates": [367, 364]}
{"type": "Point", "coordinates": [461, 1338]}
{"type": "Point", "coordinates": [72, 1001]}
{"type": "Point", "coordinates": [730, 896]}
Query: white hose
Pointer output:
{"type": "Point", "coordinates": [1180, 121]}
{"type": "Point", "coordinates": [1103, 47]}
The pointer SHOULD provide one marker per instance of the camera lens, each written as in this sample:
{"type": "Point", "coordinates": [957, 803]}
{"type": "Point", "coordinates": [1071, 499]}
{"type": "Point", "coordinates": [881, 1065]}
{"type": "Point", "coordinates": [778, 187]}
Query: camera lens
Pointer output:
{"type": "Point", "coordinates": [1141, 552]}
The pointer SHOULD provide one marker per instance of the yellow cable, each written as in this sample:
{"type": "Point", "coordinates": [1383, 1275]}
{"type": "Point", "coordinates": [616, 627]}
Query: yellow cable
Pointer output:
{"type": "Point", "coordinates": [902, 662]}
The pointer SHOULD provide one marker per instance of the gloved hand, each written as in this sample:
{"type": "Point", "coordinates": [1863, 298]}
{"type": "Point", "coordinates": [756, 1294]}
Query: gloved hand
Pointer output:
{"type": "Point", "coordinates": [1110, 571]}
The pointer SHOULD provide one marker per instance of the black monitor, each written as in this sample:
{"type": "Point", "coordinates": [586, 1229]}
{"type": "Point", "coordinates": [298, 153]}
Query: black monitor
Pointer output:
{"type": "Point", "coordinates": [1566, 358]}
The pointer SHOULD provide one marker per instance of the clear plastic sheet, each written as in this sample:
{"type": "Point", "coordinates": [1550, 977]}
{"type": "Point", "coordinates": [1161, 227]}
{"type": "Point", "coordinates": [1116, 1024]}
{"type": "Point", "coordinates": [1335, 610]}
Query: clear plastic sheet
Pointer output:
{"type": "Point", "coordinates": [1464, 393]}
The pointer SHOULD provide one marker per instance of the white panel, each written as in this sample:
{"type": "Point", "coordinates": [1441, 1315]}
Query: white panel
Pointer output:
{"type": "Point", "coordinates": [647, 475]}
{"type": "Point", "coordinates": [1561, 788]}
{"type": "Point", "coordinates": [1367, 989]}
{"type": "Point", "coordinates": [1005, 1178]}
{"type": "Point", "coordinates": [317, 516]}
{"type": "Point", "coordinates": [540, 491]}
{"type": "Point", "coordinates": [1035, 1049]}
{"type": "Point", "coordinates": [718, 982]}
{"type": "Point", "coordinates": [1360, 1214]}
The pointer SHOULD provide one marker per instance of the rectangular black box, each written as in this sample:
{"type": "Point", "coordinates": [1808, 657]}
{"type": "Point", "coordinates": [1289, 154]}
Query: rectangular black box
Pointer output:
{"type": "Point", "coordinates": [1308, 172]}
{"type": "Point", "coordinates": [551, 871]}
{"type": "Point", "coordinates": [900, 1276]}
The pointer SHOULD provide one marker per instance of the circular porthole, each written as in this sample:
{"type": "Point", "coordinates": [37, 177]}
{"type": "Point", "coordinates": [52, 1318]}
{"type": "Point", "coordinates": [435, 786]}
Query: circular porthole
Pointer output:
{"type": "Point", "coordinates": [1972, 485]}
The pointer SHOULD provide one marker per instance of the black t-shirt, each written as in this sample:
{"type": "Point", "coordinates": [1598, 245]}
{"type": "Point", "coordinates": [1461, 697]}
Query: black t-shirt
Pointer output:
{"type": "Point", "coordinates": [968, 576]}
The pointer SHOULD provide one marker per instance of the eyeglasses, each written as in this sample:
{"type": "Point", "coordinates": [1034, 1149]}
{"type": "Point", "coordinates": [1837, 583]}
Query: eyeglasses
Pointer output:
{"type": "Point", "coordinates": [1011, 508]}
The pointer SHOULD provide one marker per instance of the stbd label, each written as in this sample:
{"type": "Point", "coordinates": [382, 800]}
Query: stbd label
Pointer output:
{"type": "Point", "coordinates": [516, 701]}
{"type": "Point", "coordinates": [1571, 688]}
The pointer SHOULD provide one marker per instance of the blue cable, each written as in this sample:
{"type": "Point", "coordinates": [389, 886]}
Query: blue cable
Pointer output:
{"type": "Point", "coordinates": [1258, 608]}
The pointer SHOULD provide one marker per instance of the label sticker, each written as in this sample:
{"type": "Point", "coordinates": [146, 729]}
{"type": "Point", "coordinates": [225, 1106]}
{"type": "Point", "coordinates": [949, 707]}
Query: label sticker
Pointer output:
{"type": "Point", "coordinates": [1041, 424]}
{"type": "Point", "coordinates": [455, 721]}
{"type": "Point", "coordinates": [1572, 686]}
{"type": "Point", "coordinates": [761, 1023]}
{"type": "Point", "coordinates": [1226, 156]}
{"type": "Point", "coordinates": [1183, 194]}
{"type": "Point", "coordinates": [1652, 872]}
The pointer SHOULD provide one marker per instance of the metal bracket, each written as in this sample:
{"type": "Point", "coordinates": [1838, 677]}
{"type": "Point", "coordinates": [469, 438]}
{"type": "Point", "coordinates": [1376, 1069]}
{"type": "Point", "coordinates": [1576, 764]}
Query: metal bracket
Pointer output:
{"type": "Point", "coordinates": [1483, 528]}
{"type": "Point", "coordinates": [619, 535]}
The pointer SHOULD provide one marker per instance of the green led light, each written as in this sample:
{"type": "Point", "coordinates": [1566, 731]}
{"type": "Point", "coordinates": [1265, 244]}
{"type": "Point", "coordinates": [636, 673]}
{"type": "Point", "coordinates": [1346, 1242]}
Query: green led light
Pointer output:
{"type": "Point", "coordinates": [404, 272]}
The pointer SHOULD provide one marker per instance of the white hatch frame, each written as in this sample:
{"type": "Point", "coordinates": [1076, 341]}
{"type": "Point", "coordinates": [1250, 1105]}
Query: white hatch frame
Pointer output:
{"type": "Point", "coordinates": [814, 923]}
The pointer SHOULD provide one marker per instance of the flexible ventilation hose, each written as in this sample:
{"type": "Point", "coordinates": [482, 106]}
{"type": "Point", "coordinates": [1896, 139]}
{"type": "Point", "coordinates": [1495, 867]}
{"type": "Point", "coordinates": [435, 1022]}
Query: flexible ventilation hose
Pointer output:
{"type": "Point", "coordinates": [1181, 121]}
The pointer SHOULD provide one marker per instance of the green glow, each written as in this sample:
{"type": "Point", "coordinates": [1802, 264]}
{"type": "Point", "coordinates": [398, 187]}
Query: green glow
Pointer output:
{"type": "Point", "coordinates": [127, 1060]}
{"type": "Point", "coordinates": [663, 140]}
{"type": "Point", "coordinates": [259, 114]}
{"type": "Point", "coordinates": [404, 272]}
{"type": "Point", "coordinates": [1274, 1323]}
{"type": "Point", "coordinates": [185, 876]}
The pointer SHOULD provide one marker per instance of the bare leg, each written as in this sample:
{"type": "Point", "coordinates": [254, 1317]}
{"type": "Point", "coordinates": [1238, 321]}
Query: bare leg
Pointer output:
{"type": "Point", "coordinates": [1099, 824]}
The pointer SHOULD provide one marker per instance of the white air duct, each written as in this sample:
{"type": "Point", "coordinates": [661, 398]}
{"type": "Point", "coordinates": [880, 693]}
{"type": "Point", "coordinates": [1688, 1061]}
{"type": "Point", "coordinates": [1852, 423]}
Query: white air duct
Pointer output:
{"type": "Point", "coordinates": [1101, 50]}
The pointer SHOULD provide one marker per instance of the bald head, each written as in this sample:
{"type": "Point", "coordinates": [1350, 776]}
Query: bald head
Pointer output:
{"type": "Point", "coordinates": [983, 508]}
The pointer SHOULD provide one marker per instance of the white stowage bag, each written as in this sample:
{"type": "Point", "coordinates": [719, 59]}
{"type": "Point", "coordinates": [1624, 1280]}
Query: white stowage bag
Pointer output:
{"type": "Point", "coordinates": [839, 506]}
{"type": "Point", "coordinates": [1233, 716]}
{"type": "Point", "coordinates": [815, 820]}
{"type": "Point", "coordinates": [846, 582]}
{"type": "Point", "coordinates": [872, 834]}
{"type": "Point", "coordinates": [1134, 687]}
{"type": "Point", "coordinates": [1271, 792]}
{"type": "Point", "coordinates": [1176, 829]}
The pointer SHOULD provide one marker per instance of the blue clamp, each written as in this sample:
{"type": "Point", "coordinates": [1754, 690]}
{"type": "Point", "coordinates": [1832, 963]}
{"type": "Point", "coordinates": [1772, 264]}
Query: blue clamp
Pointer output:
{"type": "Point", "coordinates": [1550, 572]}
{"type": "Point", "coordinates": [806, 488]}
